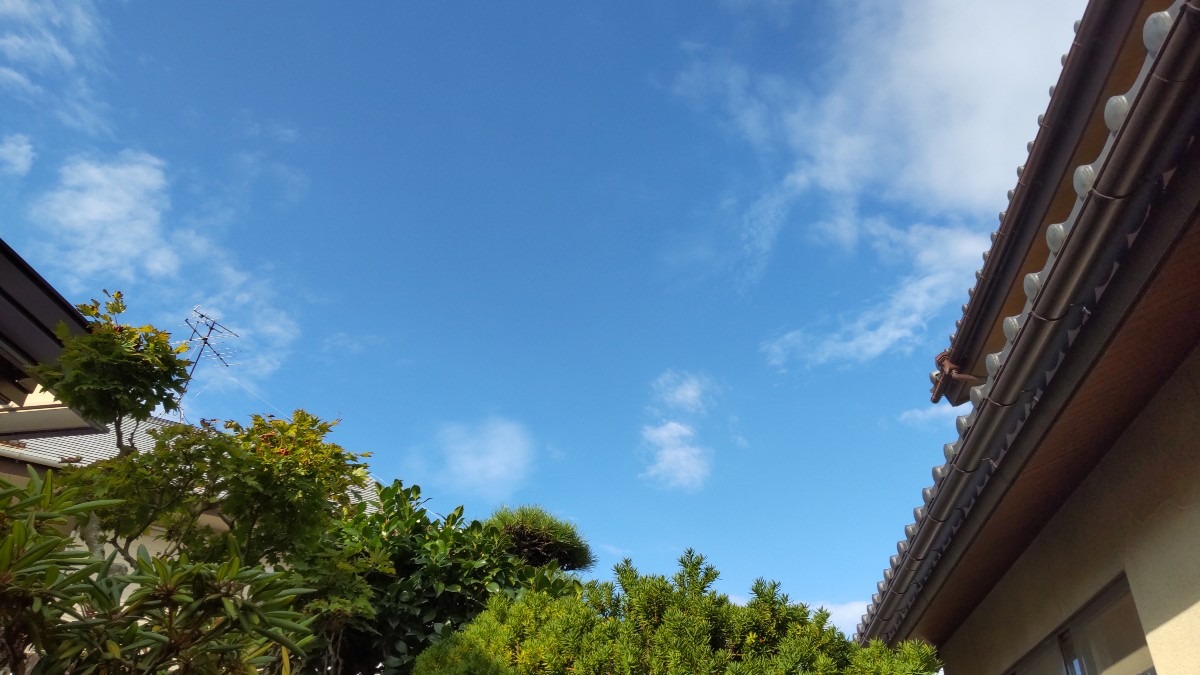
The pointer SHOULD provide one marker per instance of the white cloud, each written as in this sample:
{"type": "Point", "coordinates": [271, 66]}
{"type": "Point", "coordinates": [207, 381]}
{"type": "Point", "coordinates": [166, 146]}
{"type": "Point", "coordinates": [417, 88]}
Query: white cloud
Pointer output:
{"type": "Point", "coordinates": [492, 458]}
{"type": "Point", "coordinates": [759, 230]}
{"type": "Point", "coordinates": [16, 155]}
{"type": "Point", "coordinates": [105, 224]}
{"type": "Point", "coordinates": [927, 102]}
{"type": "Point", "coordinates": [942, 259]}
{"type": "Point", "coordinates": [926, 106]}
{"type": "Point", "coordinates": [683, 391]}
{"type": "Point", "coordinates": [677, 461]}
{"type": "Point", "coordinates": [104, 217]}
{"type": "Point", "coordinates": [18, 84]}
{"type": "Point", "coordinates": [845, 615]}
{"type": "Point", "coordinates": [941, 413]}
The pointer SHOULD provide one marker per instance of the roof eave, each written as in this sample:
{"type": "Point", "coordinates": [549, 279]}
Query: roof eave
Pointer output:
{"type": "Point", "coordinates": [1113, 194]}
{"type": "Point", "coordinates": [1086, 69]}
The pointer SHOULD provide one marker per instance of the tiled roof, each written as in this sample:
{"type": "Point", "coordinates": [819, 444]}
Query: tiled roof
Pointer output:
{"type": "Point", "coordinates": [1111, 192]}
{"type": "Point", "coordinates": [78, 448]}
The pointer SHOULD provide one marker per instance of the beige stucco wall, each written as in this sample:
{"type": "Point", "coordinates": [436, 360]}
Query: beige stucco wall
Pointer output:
{"type": "Point", "coordinates": [1137, 513]}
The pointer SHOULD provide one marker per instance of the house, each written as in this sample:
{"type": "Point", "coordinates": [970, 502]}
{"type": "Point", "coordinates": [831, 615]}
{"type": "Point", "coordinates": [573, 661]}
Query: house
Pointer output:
{"type": "Point", "coordinates": [1062, 533]}
{"type": "Point", "coordinates": [30, 310]}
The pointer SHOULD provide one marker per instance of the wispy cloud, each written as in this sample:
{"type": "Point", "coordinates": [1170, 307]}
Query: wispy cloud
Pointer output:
{"type": "Point", "coordinates": [105, 216]}
{"type": "Point", "coordinates": [247, 300]}
{"type": "Point", "coordinates": [250, 126]}
{"type": "Point", "coordinates": [926, 102]}
{"type": "Point", "coordinates": [683, 391]}
{"type": "Point", "coordinates": [50, 35]}
{"type": "Point", "coordinates": [51, 51]}
{"type": "Point", "coordinates": [106, 223]}
{"type": "Point", "coordinates": [16, 155]}
{"type": "Point", "coordinates": [678, 462]}
{"type": "Point", "coordinates": [287, 182]}
{"type": "Point", "coordinates": [343, 342]}
{"type": "Point", "coordinates": [615, 551]}
{"type": "Point", "coordinates": [749, 104]}
{"type": "Point", "coordinates": [18, 85]}
{"type": "Point", "coordinates": [110, 219]}
{"type": "Point", "coordinates": [942, 413]}
{"type": "Point", "coordinates": [925, 108]}
{"type": "Point", "coordinates": [941, 259]}
{"type": "Point", "coordinates": [491, 458]}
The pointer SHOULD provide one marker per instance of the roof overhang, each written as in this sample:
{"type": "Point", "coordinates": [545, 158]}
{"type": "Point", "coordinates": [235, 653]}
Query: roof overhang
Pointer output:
{"type": "Point", "coordinates": [1071, 367]}
{"type": "Point", "coordinates": [30, 309]}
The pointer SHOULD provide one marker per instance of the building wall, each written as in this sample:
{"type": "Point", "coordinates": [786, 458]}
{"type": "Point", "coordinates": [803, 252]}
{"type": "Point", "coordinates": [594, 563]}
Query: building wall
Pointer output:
{"type": "Point", "coordinates": [1138, 513]}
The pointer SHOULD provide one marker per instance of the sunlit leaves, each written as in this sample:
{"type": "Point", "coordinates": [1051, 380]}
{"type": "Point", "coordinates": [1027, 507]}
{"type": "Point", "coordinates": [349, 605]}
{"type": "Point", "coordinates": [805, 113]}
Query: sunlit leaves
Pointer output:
{"type": "Point", "coordinates": [654, 625]}
{"type": "Point", "coordinates": [263, 491]}
{"type": "Point", "coordinates": [115, 371]}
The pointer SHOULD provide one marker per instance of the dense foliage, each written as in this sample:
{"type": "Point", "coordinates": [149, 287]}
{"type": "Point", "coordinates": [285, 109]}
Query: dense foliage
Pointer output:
{"type": "Point", "coordinates": [264, 491]}
{"type": "Point", "coordinates": [64, 611]}
{"type": "Point", "coordinates": [652, 625]}
{"type": "Point", "coordinates": [424, 577]}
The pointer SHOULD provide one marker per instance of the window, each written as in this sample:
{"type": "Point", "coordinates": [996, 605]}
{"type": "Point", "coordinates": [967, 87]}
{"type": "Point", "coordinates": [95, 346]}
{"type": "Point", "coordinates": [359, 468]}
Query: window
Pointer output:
{"type": "Point", "coordinates": [1104, 638]}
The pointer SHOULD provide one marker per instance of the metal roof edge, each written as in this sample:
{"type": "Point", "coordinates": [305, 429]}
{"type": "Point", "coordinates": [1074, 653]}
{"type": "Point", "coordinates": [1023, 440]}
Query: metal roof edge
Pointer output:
{"type": "Point", "coordinates": [9, 254]}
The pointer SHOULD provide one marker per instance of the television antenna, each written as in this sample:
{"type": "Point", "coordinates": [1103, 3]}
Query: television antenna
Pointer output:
{"type": "Point", "coordinates": [207, 341]}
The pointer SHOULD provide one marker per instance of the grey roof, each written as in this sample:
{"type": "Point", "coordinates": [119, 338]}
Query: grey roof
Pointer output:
{"type": "Point", "coordinates": [88, 448]}
{"type": "Point", "coordinates": [1058, 298]}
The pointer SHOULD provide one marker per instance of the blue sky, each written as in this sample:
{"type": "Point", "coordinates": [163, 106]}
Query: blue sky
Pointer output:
{"type": "Point", "coordinates": [675, 271]}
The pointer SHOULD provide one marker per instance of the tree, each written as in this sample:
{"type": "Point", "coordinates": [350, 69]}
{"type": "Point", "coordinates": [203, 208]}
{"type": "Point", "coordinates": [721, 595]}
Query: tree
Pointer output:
{"type": "Point", "coordinates": [116, 372]}
{"type": "Point", "coordinates": [648, 624]}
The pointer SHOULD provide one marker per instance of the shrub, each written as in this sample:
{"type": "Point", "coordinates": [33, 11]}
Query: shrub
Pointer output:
{"type": "Point", "coordinates": [652, 625]}
{"type": "Point", "coordinates": [541, 539]}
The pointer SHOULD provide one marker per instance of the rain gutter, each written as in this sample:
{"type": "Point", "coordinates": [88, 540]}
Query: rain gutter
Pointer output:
{"type": "Point", "coordinates": [1149, 126]}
